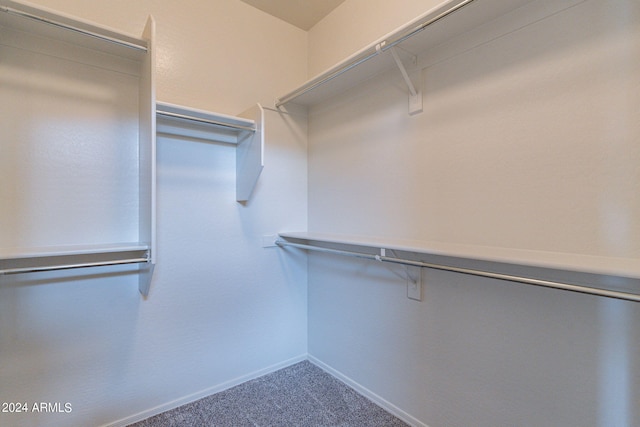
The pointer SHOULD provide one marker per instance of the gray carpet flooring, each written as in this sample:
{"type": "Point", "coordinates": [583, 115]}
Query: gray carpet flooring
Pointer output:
{"type": "Point", "coordinates": [301, 395]}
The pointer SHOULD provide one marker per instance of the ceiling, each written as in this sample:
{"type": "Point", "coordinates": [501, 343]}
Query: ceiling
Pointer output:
{"type": "Point", "coordinates": [303, 14]}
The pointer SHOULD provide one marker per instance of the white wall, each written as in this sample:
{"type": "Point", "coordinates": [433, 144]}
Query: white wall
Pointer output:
{"type": "Point", "coordinates": [528, 141]}
{"type": "Point", "coordinates": [221, 308]}
{"type": "Point", "coordinates": [475, 351]}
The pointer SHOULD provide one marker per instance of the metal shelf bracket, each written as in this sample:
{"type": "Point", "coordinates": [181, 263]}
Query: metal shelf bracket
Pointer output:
{"type": "Point", "coordinates": [415, 94]}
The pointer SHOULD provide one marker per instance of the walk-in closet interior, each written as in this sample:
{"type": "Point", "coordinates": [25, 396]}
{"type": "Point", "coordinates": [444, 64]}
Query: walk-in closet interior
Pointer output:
{"type": "Point", "coordinates": [435, 202]}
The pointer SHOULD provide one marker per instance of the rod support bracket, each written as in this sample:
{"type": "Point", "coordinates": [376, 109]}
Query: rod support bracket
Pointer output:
{"type": "Point", "coordinates": [415, 94]}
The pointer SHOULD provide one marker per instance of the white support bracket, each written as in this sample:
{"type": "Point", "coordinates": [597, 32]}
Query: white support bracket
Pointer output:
{"type": "Point", "coordinates": [415, 94]}
{"type": "Point", "coordinates": [414, 283]}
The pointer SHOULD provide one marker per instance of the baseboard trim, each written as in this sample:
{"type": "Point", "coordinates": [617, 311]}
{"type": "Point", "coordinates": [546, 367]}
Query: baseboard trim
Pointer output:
{"type": "Point", "coordinates": [386, 405]}
{"type": "Point", "coordinates": [204, 393]}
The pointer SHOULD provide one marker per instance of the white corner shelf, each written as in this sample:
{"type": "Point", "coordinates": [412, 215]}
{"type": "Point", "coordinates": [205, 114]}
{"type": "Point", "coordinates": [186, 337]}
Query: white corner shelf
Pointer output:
{"type": "Point", "coordinates": [430, 31]}
{"type": "Point", "coordinates": [245, 131]}
{"type": "Point", "coordinates": [78, 163]}
{"type": "Point", "coordinates": [190, 122]}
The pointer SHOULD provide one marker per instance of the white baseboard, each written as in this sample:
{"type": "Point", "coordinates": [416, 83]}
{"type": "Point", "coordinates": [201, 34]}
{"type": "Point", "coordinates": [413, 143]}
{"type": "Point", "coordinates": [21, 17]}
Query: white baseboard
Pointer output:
{"type": "Point", "coordinates": [386, 405]}
{"type": "Point", "coordinates": [204, 393]}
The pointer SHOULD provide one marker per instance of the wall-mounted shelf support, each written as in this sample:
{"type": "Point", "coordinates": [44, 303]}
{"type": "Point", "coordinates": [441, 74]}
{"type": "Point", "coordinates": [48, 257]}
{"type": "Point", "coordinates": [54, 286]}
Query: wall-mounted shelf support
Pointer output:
{"type": "Point", "coordinates": [403, 70]}
{"type": "Point", "coordinates": [415, 95]}
{"type": "Point", "coordinates": [250, 156]}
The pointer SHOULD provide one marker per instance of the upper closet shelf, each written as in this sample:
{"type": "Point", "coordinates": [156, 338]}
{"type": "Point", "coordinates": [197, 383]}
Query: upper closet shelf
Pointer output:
{"type": "Point", "coordinates": [246, 131]}
{"type": "Point", "coordinates": [436, 26]}
{"type": "Point", "coordinates": [57, 26]}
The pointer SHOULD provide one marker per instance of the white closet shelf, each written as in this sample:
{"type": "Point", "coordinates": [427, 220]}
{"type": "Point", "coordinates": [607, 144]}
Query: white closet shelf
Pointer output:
{"type": "Point", "coordinates": [433, 28]}
{"type": "Point", "coordinates": [49, 251]}
{"type": "Point", "coordinates": [55, 25]}
{"type": "Point", "coordinates": [624, 267]}
{"type": "Point", "coordinates": [628, 268]}
{"type": "Point", "coordinates": [200, 124]}
{"type": "Point", "coordinates": [247, 133]}
{"type": "Point", "coordinates": [29, 260]}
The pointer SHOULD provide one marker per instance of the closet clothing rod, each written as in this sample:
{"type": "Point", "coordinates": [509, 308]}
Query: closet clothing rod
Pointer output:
{"type": "Point", "coordinates": [206, 121]}
{"type": "Point", "coordinates": [72, 266]}
{"type": "Point", "coordinates": [526, 280]}
{"type": "Point", "coordinates": [377, 49]}
{"type": "Point", "coordinates": [89, 33]}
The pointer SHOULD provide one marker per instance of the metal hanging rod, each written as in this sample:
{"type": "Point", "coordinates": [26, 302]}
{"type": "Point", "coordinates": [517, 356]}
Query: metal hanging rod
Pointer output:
{"type": "Point", "coordinates": [82, 31]}
{"type": "Point", "coordinates": [206, 121]}
{"type": "Point", "coordinates": [72, 266]}
{"type": "Point", "coordinates": [526, 280]}
{"type": "Point", "coordinates": [371, 53]}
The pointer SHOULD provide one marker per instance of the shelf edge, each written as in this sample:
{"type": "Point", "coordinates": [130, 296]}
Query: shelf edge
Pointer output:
{"type": "Point", "coordinates": [592, 264]}
{"type": "Point", "coordinates": [71, 250]}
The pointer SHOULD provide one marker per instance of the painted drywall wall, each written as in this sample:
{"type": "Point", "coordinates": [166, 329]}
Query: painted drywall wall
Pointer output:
{"type": "Point", "coordinates": [221, 308]}
{"type": "Point", "coordinates": [528, 140]}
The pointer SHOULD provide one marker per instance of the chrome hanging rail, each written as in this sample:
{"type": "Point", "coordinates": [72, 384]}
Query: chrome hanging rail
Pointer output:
{"type": "Point", "coordinates": [206, 121]}
{"type": "Point", "coordinates": [20, 270]}
{"type": "Point", "coordinates": [526, 280]}
{"type": "Point", "coordinates": [86, 32]}
{"type": "Point", "coordinates": [370, 53]}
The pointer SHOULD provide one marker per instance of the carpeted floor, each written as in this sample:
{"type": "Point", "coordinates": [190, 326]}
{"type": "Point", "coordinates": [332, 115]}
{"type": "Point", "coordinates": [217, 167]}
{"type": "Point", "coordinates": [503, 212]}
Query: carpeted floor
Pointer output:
{"type": "Point", "coordinates": [301, 395]}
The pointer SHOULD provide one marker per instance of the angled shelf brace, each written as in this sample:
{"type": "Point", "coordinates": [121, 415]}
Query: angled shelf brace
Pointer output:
{"type": "Point", "coordinates": [403, 70]}
{"type": "Point", "coordinates": [415, 95]}
{"type": "Point", "coordinates": [245, 131]}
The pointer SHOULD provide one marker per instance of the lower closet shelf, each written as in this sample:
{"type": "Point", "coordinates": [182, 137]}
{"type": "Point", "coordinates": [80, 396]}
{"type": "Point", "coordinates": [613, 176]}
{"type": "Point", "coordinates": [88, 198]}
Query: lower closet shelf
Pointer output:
{"type": "Point", "coordinates": [33, 260]}
{"type": "Point", "coordinates": [595, 271]}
